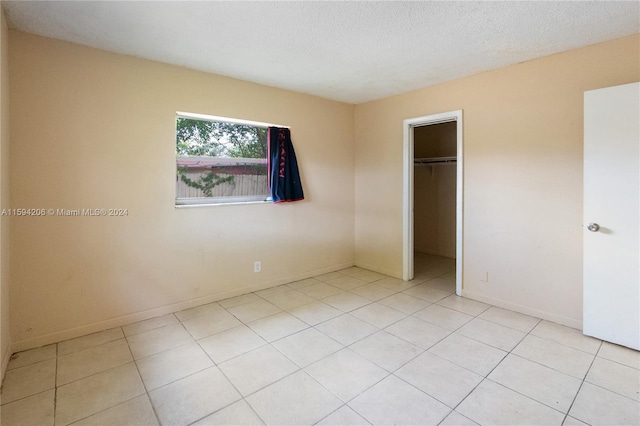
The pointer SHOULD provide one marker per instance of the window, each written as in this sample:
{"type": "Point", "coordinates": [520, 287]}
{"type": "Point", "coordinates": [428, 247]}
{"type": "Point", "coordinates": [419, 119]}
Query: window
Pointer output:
{"type": "Point", "coordinates": [220, 160]}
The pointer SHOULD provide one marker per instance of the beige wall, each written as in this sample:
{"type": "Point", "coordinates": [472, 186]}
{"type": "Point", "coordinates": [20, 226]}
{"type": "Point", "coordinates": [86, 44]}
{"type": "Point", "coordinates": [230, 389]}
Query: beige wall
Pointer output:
{"type": "Point", "coordinates": [522, 175]}
{"type": "Point", "coordinates": [92, 129]}
{"type": "Point", "coordinates": [434, 207]}
{"type": "Point", "coordinates": [5, 332]}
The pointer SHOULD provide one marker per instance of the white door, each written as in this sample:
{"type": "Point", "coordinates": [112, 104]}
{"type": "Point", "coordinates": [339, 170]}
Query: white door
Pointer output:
{"type": "Point", "coordinates": [612, 214]}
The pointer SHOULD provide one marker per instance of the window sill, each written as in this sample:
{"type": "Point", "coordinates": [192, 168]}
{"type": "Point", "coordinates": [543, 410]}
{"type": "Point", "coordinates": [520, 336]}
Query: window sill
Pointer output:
{"type": "Point", "coordinates": [234, 203]}
{"type": "Point", "coordinates": [220, 201]}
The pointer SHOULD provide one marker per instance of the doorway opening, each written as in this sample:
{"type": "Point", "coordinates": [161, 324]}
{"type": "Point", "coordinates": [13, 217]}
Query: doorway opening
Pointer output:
{"type": "Point", "coordinates": [432, 211]}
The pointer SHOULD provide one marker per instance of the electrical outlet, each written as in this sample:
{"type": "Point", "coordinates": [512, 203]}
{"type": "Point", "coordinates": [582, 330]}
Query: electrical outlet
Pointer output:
{"type": "Point", "coordinates": [257, 266]}
{"type": "Point", "coordinates": [484, 276]}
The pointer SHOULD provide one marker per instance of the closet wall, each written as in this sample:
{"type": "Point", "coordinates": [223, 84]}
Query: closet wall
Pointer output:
{"type": "Point", "coordinates": [435, 191]}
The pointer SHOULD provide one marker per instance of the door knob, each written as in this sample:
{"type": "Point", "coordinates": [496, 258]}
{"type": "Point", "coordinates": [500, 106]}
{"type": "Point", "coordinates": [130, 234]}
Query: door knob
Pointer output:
{"type": "Point", "coordinates": [593, 227]}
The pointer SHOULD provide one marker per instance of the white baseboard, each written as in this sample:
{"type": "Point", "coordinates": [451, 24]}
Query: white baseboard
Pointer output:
{"type": "Point", "coordinates": [59, 336]}
{"type": "Point", "coordinates": [380, 270]}
{"type": "Point", "coordinates": [559, 319]}
{"type": "Point", "coordinates": [433, 253]}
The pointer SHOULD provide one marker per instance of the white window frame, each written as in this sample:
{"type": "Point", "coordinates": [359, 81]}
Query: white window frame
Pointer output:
{"type": "Point", "coordinates": [221, 201]}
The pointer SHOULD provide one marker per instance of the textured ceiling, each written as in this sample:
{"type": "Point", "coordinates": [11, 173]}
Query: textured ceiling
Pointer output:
{"type": "Point", "coordinates": [347, 51]}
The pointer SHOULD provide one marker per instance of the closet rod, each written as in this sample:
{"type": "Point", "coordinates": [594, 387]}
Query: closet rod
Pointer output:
{"type": "Point", "coordinates": [434, 160]}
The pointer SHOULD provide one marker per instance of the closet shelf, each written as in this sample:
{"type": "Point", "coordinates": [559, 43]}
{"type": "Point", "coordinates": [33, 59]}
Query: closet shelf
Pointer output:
{"type": "Point", "coordinates": [434, 160]}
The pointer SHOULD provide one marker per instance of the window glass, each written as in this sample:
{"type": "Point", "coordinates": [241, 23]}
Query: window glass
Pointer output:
{"type": "Point", "coordinates": [220, 161]}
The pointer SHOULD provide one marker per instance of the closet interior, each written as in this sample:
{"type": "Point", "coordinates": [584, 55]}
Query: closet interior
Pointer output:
{"type": "Point", "coordinates": [435, 151]}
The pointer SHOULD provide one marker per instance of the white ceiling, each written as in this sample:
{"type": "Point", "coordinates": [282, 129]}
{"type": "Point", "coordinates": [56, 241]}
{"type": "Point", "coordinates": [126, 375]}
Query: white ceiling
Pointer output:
{"type": "Point", "coordinates": [348, 51]}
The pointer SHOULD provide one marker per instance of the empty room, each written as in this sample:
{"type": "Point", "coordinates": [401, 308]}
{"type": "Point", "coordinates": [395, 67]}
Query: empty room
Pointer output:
{"type": "Point", "coordinates": [319, 213]}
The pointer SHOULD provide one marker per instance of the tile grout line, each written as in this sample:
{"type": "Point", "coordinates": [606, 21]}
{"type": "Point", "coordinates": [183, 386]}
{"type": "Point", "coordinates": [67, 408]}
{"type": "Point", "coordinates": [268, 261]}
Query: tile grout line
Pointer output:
{"type": "Point", "coordinates": [454, 332]}
{"type": "Point", "coordinates": [103, 371]}
{"type": "Point", "coordinates": [617, 362]}
{"type": "Point", "coordinates": [510, 352]}
{"type": "Point", "coordinates": [596, 356]}
{"type": "Point", "coordinates": [144, 385]}
{"type": "Point", "coordinates": [474, 388]}
{"type": "Point", "coordinates": [600, 341]}
{"type": "Point", "coordinates": [385, 370]}
{"type": "Point", "coordinates": [486, 377]}
{"type": "Point", "coordinates": [55, 387]}
{"type": "Point", "coordinates": [346, 403]}
{"type": "Point", "coordinates": [334, 411]}
{"type": "Point", "coordinates": [242, 397]}
{"type": "Point", "coordinates": [94, 374]}
{"type": "Point", "coordinates": [535, 362]}
{"type": "Point", "coordinates": [582, 382]}
{"type": "Point", "coordinates": [429, 395]}
{"type": "Point", "coordinates": [480, 341]}
{"type": "Point", "coordinates": [344, 347]}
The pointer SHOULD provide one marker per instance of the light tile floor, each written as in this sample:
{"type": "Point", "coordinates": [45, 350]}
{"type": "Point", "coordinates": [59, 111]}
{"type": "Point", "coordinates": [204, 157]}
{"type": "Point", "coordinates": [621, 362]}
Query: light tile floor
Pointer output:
{"type": "Point", "coordinates": [346, 348]}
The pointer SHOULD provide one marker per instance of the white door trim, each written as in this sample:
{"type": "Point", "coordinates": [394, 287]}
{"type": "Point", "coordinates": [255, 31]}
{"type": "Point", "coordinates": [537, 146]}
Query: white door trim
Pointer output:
{"type": "Point", "coordinates": [408, 190]}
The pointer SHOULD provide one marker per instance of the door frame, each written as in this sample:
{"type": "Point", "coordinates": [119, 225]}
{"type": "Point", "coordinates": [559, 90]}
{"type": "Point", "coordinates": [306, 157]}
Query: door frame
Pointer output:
{"type": "Point", "coordinates": [408, 191]}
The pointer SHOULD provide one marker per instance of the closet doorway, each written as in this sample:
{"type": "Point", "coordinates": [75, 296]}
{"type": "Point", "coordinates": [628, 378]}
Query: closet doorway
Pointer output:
{"type": "Point", "coordinates": [432, 197]}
